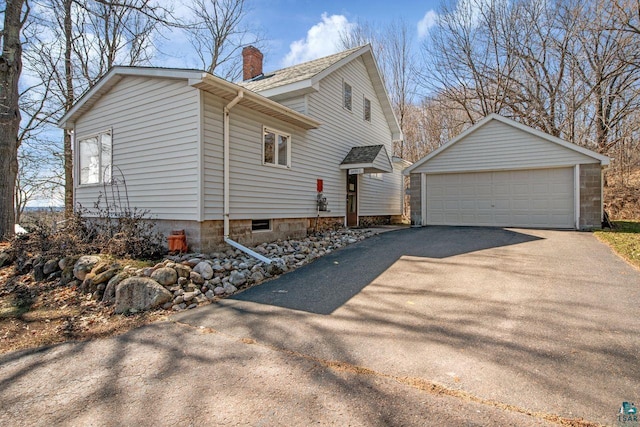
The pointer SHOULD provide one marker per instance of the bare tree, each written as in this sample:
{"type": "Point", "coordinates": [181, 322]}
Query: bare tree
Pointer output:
{"type": "Point", "coordinates": [218, 33]}
{"type": "Point", "coordinates": [15, 15]}
{"type": "Point", "coordinates": [80, 40]}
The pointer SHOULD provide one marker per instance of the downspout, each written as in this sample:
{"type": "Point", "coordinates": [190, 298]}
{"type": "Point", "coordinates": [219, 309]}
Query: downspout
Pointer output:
{"type": "Point", "coordinates": [226, 180]}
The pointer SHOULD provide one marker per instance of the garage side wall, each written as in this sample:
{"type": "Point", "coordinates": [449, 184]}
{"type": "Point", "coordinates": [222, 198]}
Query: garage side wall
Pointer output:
{"type": "Point", "coordinates": [415, 194]}
{"type": "Point", "coordinates": [590, 196]}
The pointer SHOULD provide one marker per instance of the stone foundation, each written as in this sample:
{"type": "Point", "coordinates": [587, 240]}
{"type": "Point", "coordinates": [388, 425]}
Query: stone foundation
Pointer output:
{"type": "Point", "coordinates": [324, 223]}
{"type": "Point", "coordinates": [590, 197]}
{"type": "Point", "coordinates": [372, 221]}
{"type": "Point", "coordinates": [208, 236]}
{"type": "Point", "coordinates": [415, 197]}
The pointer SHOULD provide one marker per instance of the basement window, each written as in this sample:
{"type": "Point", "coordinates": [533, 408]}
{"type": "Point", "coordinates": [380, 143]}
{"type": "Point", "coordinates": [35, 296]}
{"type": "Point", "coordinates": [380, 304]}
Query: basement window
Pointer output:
{"type": "Point", "coordinates": [260, 225]}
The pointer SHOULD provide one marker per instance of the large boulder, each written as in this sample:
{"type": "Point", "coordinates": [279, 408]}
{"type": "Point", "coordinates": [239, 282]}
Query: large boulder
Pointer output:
{"type": "Point", "coordinates": [140, 293]}
{"type": "Point", "coordinates": [165, 276]}
{"type": "Point", "coordinates": [84, 265]}
{"type": "Point", "coordinates": [109, 295]}
{"type": "Point", "coordinates": [204, 269]}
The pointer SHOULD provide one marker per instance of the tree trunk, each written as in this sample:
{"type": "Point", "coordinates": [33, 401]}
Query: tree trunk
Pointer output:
{"type": "Point", "coordinates": [10, 69]}
{"type": "Point", "coordinates": [69, 99]}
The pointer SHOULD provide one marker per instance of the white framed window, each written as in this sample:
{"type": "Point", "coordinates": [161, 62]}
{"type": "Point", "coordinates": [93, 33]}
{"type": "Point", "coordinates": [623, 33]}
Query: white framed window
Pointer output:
{"type": "Point", "coordinates": [347, 96]}
{"type": "Point", "coordinates": [367, 110]}
{"type": "Point", "coordinates": [95, 157]}
{"type": "Point", "coordinates": [377, 176]}
{"type": "Point", "coordinates": [276, 148]}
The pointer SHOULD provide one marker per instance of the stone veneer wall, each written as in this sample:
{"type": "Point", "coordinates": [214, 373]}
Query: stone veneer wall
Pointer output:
{"type": "Point", "coordinates": [590, 196]}
{"type": "Point", "coordinates": [415, 191]}
{"type": "Point", "coordinates": [208, 236]}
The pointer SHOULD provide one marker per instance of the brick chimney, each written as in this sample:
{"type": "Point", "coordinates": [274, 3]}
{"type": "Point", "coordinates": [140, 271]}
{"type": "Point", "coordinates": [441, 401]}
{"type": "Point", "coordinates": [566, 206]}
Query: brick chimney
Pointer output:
{"type": "Point", "coordinates": [251, 62]}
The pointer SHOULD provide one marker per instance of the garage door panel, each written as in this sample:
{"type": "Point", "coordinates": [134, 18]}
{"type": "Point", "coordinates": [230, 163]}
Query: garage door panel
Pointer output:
{"type": "Point", "coordinates": [527, 198]}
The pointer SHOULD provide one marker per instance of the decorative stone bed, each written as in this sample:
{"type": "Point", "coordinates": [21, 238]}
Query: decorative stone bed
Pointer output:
{"type": "Point", "coordinates": [183, 282]}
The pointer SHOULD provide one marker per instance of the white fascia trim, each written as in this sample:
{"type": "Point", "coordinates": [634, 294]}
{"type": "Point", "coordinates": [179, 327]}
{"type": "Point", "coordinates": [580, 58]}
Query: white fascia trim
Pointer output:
{"type": "Point", "coordinates": [603, 159]}
{"type": "Point", "coordinates": [304, 86]}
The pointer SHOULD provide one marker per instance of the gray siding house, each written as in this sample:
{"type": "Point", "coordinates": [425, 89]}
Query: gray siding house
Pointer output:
{"type": "Point", "coordinates": [243, 161]}
{"type": "Point", "coordinates": [502, 173]}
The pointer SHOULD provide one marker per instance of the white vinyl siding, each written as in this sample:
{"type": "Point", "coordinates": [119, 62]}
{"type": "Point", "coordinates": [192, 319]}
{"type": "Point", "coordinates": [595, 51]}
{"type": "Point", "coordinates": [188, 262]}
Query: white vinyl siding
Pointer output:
{"type": "Point", "coordinates": [213, 152]}
{"type": "Point", "coordinates": [155, 124]}
{"type": "Point", "coordinates": [263, 192]}
{"type": "Point", "coordinates": [498, 146]}
{"type": "Point", "coordinates": [519, 198]}
{"type": "Point", "coordinates": [297, 103]}
{"type": "Point", "coordinates": [371, 190]}
{"type": "Point", "coordinates": [340, 132]}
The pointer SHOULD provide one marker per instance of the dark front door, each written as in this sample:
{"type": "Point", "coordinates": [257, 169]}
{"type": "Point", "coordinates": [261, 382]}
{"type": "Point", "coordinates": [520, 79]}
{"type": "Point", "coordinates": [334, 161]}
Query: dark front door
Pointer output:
{"type": "Point", "coordinates": [352, 200]}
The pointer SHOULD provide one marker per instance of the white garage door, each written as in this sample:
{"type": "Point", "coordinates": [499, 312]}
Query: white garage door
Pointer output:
{"type": "Point", "coordinates": [525, 198]}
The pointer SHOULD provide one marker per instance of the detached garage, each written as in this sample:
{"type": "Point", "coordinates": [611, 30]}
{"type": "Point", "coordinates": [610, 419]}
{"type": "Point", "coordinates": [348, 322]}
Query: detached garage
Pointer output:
{"type": "Point", "coordinates": [504, 174]}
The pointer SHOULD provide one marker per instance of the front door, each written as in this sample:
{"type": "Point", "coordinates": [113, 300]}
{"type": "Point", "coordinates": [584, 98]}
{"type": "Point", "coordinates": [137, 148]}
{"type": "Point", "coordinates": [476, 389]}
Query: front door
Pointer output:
{"type": "Point", "coordinates": [352, 200]}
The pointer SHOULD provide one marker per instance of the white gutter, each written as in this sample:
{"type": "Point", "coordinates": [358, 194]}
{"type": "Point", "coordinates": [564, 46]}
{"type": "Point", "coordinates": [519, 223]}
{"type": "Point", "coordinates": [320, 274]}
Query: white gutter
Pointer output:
{"type": "Point", "coordinates": [226, 178]}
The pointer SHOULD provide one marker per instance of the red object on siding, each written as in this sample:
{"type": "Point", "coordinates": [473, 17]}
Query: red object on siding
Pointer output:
{"type": "Point", "coordinates": [177, 241]}
{"type": "Point", "coordinates": [320, 185]}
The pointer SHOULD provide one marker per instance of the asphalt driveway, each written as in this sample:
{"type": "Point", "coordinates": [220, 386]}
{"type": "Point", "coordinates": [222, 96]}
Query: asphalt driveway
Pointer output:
{"type": "Point", "coordinates": [433, 326]}
{"type": "Point", "coordinates": [542, 320]}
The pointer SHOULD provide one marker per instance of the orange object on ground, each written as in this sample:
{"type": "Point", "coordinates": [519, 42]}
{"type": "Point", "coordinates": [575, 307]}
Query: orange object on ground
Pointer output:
{"type": "Point", "coordinates": [177, 241]}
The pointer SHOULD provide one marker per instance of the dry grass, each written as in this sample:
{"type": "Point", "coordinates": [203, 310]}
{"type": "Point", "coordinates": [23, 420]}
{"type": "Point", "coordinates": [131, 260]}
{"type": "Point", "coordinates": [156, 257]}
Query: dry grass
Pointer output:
{"type": "Point", "coordinates": [624, 239]}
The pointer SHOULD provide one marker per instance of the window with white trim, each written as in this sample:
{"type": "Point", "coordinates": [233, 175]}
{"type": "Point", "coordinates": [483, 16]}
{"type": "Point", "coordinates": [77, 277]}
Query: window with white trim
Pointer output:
{"type": "Point", "coordinates": [276, 148]}
{"type": "Point", "coordinates": [346, 95]}
{"type": "Point", "coordinates": [95, 154]}
{"type": "Point", "coordinates": [367, 110]}
{"type": "Point", "coordinates": [377, 176]}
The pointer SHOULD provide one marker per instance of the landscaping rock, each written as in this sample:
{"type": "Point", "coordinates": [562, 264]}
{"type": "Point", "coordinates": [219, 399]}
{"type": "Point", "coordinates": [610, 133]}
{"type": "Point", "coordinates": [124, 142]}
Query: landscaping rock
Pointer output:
{"type": "Point", "coordinates": [84, 265]}
{"type": "Point", "coordinates": [105, 276]}
{"type": "Point", "coordinates": [50, 266]}
{"type": "Point", "coordinates": [218, 291]}
{"type": "Point", "coordinates": [204, 269]}
{"type": "Point", "coordinates": [237, 278]}
{"type": "Point", "coordinates": [38, 272]}
{"type": "Point", "coordinates": [140, 293]}
{"type": "Point", "coordinates": [196, 278]}
{"type": "Point", "coordinates": [257, 277]}
{"type": "Point", "coordinates": [182, 270]}
{"type": "Point", "coordinates": [229, 288]}
{"type": "Point", "coordinates": [109, 296]}
{"type": "Point", "coordinates": [5, 259]}
{"type": "Point", "coordinates": [165, 276]}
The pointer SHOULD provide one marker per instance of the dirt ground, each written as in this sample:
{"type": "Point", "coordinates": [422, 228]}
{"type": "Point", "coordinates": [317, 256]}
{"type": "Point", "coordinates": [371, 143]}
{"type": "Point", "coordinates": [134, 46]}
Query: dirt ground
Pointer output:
{"type": "Point", "coordinates": [35, 314]}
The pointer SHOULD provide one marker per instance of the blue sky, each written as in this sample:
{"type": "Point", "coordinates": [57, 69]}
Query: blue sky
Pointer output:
{"type": "Point", "coordinates": [301, 30]}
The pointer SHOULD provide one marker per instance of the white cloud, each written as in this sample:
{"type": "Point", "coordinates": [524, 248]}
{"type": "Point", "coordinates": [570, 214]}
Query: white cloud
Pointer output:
{"type": "Point", "coordinates": [322, 39]}
{"type": "Point", "coordinates": [429, 20]}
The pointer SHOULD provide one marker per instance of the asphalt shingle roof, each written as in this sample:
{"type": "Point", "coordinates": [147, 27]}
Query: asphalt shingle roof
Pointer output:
{"type": "Point", "coordinates": [295, 73]}
{"type": "Point", "coordinates": [366, 154]}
